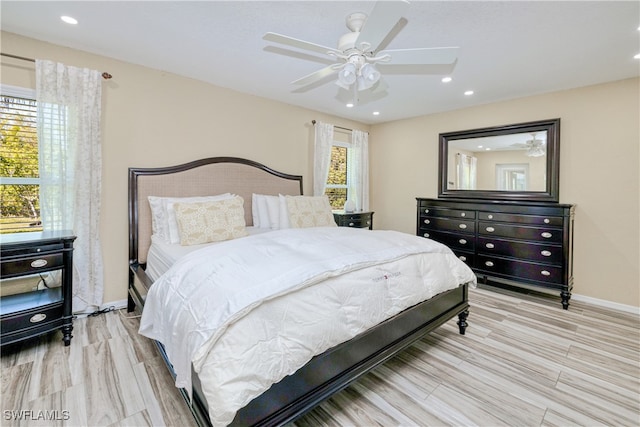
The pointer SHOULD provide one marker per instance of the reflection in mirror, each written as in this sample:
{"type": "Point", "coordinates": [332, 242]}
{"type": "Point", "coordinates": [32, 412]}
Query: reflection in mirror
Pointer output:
{"type": "Point", "coordinates": [512, 162]}
{"type": "Point", "coordinates": [515, 162]}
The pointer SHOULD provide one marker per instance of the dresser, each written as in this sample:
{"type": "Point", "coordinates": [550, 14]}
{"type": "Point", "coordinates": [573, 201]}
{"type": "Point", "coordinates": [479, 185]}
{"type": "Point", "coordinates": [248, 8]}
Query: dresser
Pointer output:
{"type": "Point", "coordinates": [36, 283]}
{"type": "Point", "coordinates": [354, 219]}
{"type": "Point", "coordinates": [512, 244]}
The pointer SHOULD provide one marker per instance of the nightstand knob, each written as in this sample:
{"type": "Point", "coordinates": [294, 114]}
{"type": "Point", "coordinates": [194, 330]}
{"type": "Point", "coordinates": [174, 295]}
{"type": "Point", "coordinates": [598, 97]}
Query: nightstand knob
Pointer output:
{"type": "Point", "coordinates": [37, 318]}
{"type": "Point", "coordinates": [39, 263]}
{"type": "Point", "coordinates": [351, 224]}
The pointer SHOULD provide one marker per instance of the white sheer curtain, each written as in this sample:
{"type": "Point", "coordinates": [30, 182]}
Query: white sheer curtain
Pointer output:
{"type": "Point", "coordinates": [467, 171]}
{"type": "Point", "coordinates": [322, 156]}
{"type": "Point", "coordinates": [69, 106]}
{"type": "Point", "coordinates": [358, 162]}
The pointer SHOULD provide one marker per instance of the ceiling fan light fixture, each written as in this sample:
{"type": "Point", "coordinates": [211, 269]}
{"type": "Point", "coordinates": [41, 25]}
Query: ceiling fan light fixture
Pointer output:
{"type": "Point", "coordinates": [348, 75]}
{"type": "Point", "coordinates": [369, 73]}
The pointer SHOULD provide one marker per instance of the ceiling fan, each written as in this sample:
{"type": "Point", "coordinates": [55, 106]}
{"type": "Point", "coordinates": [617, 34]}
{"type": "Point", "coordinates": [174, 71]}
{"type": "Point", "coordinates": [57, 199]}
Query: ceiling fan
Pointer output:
{"type": "Point", "coordinates": [535, 147]}
{"type": "Point", "coordinates": [361, 51]}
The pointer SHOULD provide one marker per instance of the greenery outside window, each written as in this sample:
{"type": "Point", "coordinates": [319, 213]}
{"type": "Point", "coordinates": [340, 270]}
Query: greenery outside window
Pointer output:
{"type": "Point", "coordinates": [19, 161]}
{"type": "Point", "coordinates": [337, 188]}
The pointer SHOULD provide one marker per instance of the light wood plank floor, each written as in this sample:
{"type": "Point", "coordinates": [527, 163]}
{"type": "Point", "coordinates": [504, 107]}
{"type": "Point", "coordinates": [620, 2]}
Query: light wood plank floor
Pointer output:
{"type": "Point", "coordinates": [523, 362]}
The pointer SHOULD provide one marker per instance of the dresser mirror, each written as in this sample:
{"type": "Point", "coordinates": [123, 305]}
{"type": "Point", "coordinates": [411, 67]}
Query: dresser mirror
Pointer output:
{"type": "Point", "coordinates": [517, 162]}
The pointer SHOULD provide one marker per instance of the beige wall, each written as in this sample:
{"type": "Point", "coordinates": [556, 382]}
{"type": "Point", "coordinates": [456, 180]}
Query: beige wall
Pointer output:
{"type": "Point", "coordinates": [599, 172]}
{"type": "Point", "coordinates": [153, 118]}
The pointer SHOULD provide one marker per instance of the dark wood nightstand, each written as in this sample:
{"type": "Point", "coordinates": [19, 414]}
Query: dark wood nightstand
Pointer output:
{"type": "Point", "coordinates": [354, 219]}
{"type": "Point", "coordinates": [32, 303]}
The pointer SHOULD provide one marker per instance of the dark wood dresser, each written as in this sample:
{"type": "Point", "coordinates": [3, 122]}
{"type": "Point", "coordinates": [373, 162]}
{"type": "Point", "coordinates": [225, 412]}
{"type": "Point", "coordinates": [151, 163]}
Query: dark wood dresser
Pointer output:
{"type": "Point", "coordinates": [43, 259]}
{"type": "Point", "coordinates": [513, 244]}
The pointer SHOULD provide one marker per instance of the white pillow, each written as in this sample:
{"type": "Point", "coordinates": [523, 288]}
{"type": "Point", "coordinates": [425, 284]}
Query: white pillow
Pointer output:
{"type": "Point", "coordinates": [309, 211]}
{"type": "Point", "coordinates": [268, 211]}
{"type": "Point", "coordinates": [210, 221]}
{"type": "Point", "coordinates": [254, 210]}
{"type": "Point", "coordinates": [163, 217]}
{"type": "Point", "coordinates": [284, 212]}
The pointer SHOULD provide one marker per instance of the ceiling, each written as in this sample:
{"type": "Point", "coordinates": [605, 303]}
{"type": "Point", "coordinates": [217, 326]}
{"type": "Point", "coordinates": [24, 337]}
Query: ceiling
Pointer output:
{"type": "Point", "coordinates": [507, 49]}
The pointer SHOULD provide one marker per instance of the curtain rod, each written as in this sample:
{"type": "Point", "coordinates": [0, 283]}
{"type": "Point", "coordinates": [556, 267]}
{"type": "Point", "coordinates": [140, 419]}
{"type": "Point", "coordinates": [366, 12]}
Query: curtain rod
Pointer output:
{"type": "Point", "coordinates": [313, 122]}
{"type": "Point", "coordinates": [105, 75]}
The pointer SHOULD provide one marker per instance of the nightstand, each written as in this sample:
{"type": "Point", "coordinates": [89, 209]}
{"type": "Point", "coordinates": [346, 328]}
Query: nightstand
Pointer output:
{"type": "Point", "coordinates": [354, 219]}
{"type": "Point", "coordinates": [36, 285]}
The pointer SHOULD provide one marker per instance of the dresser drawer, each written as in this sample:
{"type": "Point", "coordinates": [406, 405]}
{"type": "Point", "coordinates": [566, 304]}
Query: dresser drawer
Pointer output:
{"type": "Point", "coordinates": [526, 250]}
{"type": "Point", "coordinates": [448, 224]}
{"type": "Point", "coordinates": [466, 257]}
{"type": "Point", "coordinates": [518, 270]}
{"type": "Point", "coordinates": [32, 264]}
{"type": "Point", "coordinates": [447, 213]}
{"type": "Point", "coordinates": [454, 241]}
{"type": "Point", "coordinates": [554, 221]}
{"type": "Point", "coordinates": [520, 232]}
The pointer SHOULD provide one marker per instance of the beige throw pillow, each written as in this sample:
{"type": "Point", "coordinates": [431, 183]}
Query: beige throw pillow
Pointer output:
{"type": "Point", "coordinates": [308, 211]}
{"type": "Point", "coordinates": [212, 221]}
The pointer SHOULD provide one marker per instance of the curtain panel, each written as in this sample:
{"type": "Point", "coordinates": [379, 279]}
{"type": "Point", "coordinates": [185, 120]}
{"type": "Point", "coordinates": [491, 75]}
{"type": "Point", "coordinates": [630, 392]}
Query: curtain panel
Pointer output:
{"type": "Point", "coordinates": [322, 156]}
{"type": "Point", "coordinates": [358, 179]}
{"type": "Point", "coordinates": [69, 137]}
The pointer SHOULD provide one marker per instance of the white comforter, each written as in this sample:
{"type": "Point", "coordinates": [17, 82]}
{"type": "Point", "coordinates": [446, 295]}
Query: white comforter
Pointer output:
{"type": "Point", "coordinates": [248, 287]}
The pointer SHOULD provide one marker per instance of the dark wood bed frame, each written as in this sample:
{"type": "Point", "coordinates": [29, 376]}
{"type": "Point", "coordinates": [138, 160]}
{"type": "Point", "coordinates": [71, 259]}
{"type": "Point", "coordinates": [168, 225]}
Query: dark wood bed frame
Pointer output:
{"type": "Point", "coordinates": [327, 373]}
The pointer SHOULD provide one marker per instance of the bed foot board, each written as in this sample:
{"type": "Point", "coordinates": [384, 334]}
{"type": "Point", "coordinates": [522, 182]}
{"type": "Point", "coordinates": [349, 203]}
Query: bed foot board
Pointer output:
{"type": "Point", "coordinates": [462, 321]}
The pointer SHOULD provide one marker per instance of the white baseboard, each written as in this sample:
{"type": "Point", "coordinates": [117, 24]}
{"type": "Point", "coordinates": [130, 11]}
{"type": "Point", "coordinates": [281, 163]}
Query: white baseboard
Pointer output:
{"type": "Point", "coordinates": [607, 304]}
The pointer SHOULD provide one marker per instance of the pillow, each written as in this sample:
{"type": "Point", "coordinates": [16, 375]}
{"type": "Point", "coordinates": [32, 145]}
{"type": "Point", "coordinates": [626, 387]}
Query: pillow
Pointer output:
{"type": "Point", "coordinates": [210, 221]}
{"type": "Point", "coordinates": [284, 212]}
{"type": "Point", "coordinates": [163, 220]}
{"type": "Point", "coordinates": [268, 211]}
{"type": "Point", "coordinates": [308, 211]}
{"type": "Point", "coordinates": [254, 210]}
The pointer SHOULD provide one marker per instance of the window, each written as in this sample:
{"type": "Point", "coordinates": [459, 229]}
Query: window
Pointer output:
{"type": "Point", "coordinates": [19, 162]}
{"type": "Point", "coordinates": [337, 184]}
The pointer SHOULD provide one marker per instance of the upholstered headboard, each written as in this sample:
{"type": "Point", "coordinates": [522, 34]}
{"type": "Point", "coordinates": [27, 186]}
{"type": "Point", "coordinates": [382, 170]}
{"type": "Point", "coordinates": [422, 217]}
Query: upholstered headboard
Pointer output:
{"type": "Point", "coordinates": [204, 177]}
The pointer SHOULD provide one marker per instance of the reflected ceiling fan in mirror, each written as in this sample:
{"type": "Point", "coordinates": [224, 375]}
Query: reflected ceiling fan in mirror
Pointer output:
{"type": "Point", "coordinates": [360, 56]}
{"type": "Point", "coordinates": [535, 147]}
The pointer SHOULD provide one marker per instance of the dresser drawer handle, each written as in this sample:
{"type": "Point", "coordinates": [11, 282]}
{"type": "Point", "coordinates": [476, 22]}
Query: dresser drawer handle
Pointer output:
{"type": "Point", "coordinates": [463, 214]}
{"type": "Point", "coordinates": [490, 229]}
{"type": "Point", "coordinates": [545, 273]}
{"type": "Point", "coordinates": [426, 221]}
{"type": "Point", "coordinates": [426, 234]}
{"type": "Point", "coordinates": [490, 245]}
{"type": "Point", "coordinates": [490, 216]}
{"type": "Point", "coordinates": [547, 220]}
{"type": "Point", "coordinates": [36, 318]}
{"type": "Point", "coordinates": [368, 222]}
{"type": "Point", "coordinates": [462, 241]}
{"type": "Point", "coordinates": [39, 263]}
{"type": "Point", "coordinates": [351, 224]}
{"type": "Point", "coordinates": [462, 226]}
{"type": "Point", "coordinates": [545, 253]}
{"type": "Point", "coordinates": [426, 211]}
{"type": "Point", "coordinates": [488, 263]}
{"type": "Point", "coordinates": [546, 235]}
{"type": "Point", "coordinates": [463, 258]}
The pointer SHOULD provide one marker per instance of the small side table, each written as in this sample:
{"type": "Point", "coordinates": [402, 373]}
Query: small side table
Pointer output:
{"type": "Point", "coordinates": [354, 219]}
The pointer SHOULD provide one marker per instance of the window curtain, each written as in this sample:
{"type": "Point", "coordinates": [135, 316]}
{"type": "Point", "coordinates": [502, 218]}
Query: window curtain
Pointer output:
{"type": "Point", "coordinates": [322, 156]}
{"type": "Point", "coordinates": [68, 122]}
{"type": "Point", "coordinates": [466, 167]}
{"type": "Point", "coordinates": [358, 161]}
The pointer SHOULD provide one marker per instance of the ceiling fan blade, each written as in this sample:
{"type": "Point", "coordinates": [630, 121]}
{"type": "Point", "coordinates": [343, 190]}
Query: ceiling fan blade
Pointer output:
{"type": "Point", "coordinates": [300, 44]}
{"type": "Point", "coordinates": [384, 16]}
{"type": "Point", "coordinates": [422, 56]}
{"type": "Point", "coordinates": [316, 75]}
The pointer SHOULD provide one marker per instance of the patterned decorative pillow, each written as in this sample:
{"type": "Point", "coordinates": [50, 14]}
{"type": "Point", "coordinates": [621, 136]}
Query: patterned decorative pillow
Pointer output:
{"type": "Point", "coordinates": [213, 221]}
{"type": "Point", "coordinates": [309, 211]}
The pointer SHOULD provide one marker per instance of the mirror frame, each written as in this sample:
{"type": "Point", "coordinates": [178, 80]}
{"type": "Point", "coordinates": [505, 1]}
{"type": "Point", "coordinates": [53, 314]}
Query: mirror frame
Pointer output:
{"type": "Point", "coordinates": [551, 193]}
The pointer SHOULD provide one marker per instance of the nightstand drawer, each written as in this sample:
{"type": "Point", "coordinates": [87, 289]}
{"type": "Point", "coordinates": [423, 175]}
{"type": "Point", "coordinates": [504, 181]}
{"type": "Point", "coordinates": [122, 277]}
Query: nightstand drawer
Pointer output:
{"type": "Point", "coordinates": [32, 264]}
{"type": "Point", "coordinates": [354, 219]}
{"type": "Point", "coordinates": [31, 318]}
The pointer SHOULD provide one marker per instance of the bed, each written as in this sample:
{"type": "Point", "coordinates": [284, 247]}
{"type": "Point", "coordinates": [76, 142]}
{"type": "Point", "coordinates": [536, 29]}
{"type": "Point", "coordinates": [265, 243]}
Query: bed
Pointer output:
{"type": "Point", "coordinates": [328, 370]}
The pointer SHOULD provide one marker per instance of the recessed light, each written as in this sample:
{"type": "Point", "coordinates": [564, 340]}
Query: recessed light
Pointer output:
{"type": "Point", "coordinates": [487, 149]}
{"type": "Point", "coordinates": [637, 56]}
{"type": "Point", "coordinates": [469, 92]}
{"type": "Point", "coordinates": [446, 79]}
{"type": "Point", "coordinates": [69, 20]}
{"type": "Point", "coordinates": [349, 105]}
{"type": "Point", "coordinates": [376, 113]}
{"type": "Point", "coordinates": [480, 146]}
